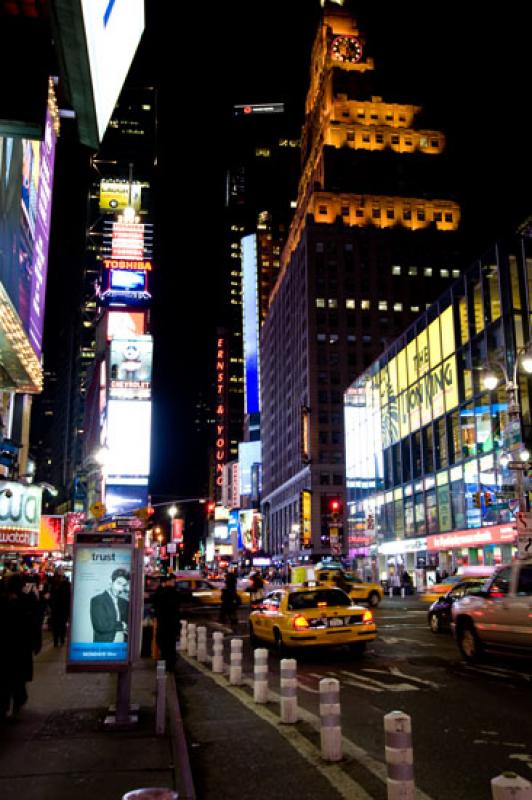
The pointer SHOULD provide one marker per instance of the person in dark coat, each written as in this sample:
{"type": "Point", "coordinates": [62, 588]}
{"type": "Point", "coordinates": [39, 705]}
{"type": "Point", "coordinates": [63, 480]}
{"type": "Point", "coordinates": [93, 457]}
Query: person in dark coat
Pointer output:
{"type": "Point", "coordinates": [256, 590]}
{"type": "Point", "coordinates": [109, 610]}
{"type": "Point", "coordinates": [230, 600]}
{"type": "Point", "coordinates": [59, 602]}
{"type": "Point", "coordinates": [167, 606]}
{"type": "Point", "coordinates": [20, 640]}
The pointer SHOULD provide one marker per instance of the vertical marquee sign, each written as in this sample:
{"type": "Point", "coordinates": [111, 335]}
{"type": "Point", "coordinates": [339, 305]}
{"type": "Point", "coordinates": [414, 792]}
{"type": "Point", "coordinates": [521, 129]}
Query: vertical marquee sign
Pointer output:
{"type": "Point", "coordinates": [221, 449]}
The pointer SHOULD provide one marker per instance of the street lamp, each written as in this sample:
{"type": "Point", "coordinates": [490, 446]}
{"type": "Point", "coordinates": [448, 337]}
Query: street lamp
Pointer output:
{"type": "Point", "coordinates": [523, 357]}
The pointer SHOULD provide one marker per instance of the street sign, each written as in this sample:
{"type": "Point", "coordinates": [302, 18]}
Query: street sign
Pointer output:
{"type": "Point", "coordinates": [523, 521]}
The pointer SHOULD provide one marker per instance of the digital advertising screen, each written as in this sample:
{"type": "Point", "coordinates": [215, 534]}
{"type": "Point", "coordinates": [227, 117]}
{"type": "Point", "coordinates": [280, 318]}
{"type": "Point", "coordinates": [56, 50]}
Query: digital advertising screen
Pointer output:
{"type": "Point", "coordinates": [121, 499]}
{"type": "Point", "coordinates": [131, 367]}
{"type": "Point", "coordinates": [26, 180]}
{"type": "Point", "coordinates": [123, 324]}
{"type": "Point", "coordinates": [100, 619]}
{"type": "Point", "coordinates": [128, 437]}
{"type": "Point", "coordinates": [20, 514]}
{"type": "Point", "coordinates": [250, 312]}
{"type": "Point", "coordinates": [127, 241]}
{"type": "Point", "coordinates": [249, 453]}
{"type": "Point", "coordinates": [127, 280]}
{"type": "Point", "coordinates": [117, 195]}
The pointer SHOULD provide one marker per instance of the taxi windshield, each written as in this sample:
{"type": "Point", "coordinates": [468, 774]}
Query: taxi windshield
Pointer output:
{"type": "Point", "coordinates": [317, 597]}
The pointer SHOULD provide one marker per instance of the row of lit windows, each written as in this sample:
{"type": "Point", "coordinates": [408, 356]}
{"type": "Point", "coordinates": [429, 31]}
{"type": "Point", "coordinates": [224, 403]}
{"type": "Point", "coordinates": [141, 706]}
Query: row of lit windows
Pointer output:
{"type": "Point", "coordinates": [365, 305]}
{"type": "Point", "coordinates": [428, 272]}
{"type": "Point", "coordinates": [389, 213]}
{"type": "Point", "coordinates": [366, 138]}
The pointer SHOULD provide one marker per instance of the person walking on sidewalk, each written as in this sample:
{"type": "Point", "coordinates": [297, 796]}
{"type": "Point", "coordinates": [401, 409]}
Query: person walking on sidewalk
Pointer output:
{"type": "Point", "coordinates": [59, 607]}
{"type": "Point", "coordinates": [230, 600]}
{"type": "Point", "coordinates": [167, 606]}
{"type": "Point", "coordinates": [21, 639]}
{"type": "Point", "coordinates": [256, 590]}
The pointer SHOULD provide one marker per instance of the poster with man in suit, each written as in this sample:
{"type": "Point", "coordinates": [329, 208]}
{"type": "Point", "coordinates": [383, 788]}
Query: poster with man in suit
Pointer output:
{"type": "Point", "coordinates": [100, 605]}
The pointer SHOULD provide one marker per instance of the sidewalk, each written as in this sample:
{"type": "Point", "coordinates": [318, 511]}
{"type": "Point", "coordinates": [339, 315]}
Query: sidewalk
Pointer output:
{"type": "Point", "coordinates": [58, 749]}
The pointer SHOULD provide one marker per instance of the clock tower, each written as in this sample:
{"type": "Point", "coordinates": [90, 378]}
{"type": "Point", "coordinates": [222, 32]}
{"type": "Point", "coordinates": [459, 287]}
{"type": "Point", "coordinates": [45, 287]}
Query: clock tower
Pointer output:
{"type": "Point", "coordinates": [372, 242]}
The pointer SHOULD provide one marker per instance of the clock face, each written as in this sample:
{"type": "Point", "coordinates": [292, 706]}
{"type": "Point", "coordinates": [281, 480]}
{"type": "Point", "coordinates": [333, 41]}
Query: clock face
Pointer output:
{"type": "Point", "coordinates": [347, 49]}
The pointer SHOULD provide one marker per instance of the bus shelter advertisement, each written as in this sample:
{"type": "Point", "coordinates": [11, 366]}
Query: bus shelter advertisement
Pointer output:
{"type": "Point", "coordinates": [99, 635]}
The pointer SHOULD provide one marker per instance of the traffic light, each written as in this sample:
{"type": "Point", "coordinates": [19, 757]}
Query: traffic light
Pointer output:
{"type": "Point", "coordinates": [477, 499]}
{"type": "Point", "coordinates": [488, 498]}
{"type": "Point", "coordinates": [211, 505]}
{"type": "Point", "coordinates": [335, 506]}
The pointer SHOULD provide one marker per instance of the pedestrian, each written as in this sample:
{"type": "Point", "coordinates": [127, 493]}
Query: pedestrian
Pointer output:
{"type": "Point", "coordinates": [59, 602]}
{"type": "Point", "coordinates": [167, 607]}
{"type": "Point", "coordinates": [256, 590]}
{"type": "Point", "coordinates": [21, 639]}
{"type": "Point", "coordinates": [230, 600]}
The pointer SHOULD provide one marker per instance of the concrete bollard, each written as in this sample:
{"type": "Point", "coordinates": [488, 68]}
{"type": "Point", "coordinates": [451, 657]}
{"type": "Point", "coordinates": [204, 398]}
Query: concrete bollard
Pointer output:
{"type": "Point", "coordinates": [288, 690]}
{"type": "Point", "coordinates": [510, 786]}
{"type": "Point", "coordinates": [191, 640]}
{"type": "Point", "coordinates": [202, 644]}
{"type": "Point", "coordinates": [260, 676]}
{"type": "Point", "coordinates": [330, 728]}
{"type": "Point", "coordinates": [218, 652]}
{"type": "Point", "coordinates": [403, 592]}
{"type": "Point", "coordinates": [235, 668]}
{"type": "Point", "coordinates": [155, 793]}
{"type": "Point", "coordinates": [399, 756]}
{"type": "Point", "coordinates": [160, 703]}
{"type": "Point", "coordinates": [390, 591]}
{"type": "Point", "coordinates": [183, 644]}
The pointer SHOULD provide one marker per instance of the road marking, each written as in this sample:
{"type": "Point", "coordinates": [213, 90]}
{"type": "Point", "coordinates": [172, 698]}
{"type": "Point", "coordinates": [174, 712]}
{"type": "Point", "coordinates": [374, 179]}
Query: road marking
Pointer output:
{"type": "Point", "coordinates": [350, 749]}
{"type": "Point", "coordinates": [497, 672]}
{"type": "Point", "coordinates": [398, 639]}
{"type": "Point", "coordinates": [402, 616]}
{"type": "Point", "coordinates": [526, 758]}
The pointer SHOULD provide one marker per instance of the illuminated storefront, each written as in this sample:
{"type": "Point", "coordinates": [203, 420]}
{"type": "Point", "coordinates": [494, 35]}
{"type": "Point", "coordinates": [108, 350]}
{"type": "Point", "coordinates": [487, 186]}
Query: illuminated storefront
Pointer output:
{"type": "Point", "coordinates": [424, 437]}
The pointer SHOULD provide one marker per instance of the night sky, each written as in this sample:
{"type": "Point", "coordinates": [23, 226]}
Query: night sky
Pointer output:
{"type": "Point", "coordinates": [471, 75]}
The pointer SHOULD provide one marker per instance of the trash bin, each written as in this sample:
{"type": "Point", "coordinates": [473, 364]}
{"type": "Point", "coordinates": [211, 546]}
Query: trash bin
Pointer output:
{"type": "Point", "coordinates": [151, 794]}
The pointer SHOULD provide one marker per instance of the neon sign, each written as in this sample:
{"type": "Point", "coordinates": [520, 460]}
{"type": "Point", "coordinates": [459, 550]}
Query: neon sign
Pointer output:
{"type": "Point", "coordinates": [221, 443]}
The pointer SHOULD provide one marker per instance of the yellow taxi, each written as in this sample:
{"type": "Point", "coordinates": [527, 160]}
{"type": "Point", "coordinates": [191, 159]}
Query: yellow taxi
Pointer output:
{"type": "Point", "coordinates": [195, 590]}
{"type": "Point", "coordinates": [309, 616]}
{"type": "Point", "coordinates": [372, 593]}
{"type": "Point", "coordinates": [438, 590]}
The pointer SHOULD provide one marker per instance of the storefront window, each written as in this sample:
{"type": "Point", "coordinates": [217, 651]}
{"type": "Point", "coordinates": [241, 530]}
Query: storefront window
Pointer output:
{"type": "Point", "coordinates": [499, 415]}
{"type": "Point", "coordinates": [455, 444]}
{"type": "Point", "coordinates": [416, 453]}
{"type": "Point", "coordinates": [445, 519]}
{"type": "Point", "coordinates": [440, 443]}
{"type": "Point", "coordinates": [467, 417]}
{"type": "Point", "coordinates": [457, 503]}
{"type": "Point", "coordinates": [483, 421]}
{"type": "Point", "coordinates": [407, 460]}
{"type": "Point", "coordinates": [432, 511]}
{"type": "Point", "coordinates": [471, 487]}
{"type": "Point", "coordinates": [428, 450]}
{"type": "Point", "coordinates": [399, 523]}
{"type": "Point", "coordinates": [409, 516]}
{"type": "Point", "coordinates": [419, 509]}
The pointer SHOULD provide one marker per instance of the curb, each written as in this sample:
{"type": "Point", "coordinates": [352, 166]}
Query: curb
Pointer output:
{"type": "Point", "coordinates": [183, 780]}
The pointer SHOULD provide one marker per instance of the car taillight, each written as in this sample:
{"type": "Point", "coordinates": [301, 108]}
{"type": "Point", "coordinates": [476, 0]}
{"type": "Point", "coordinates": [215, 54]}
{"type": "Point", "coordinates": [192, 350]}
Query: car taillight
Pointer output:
{"type": "Point", "coordinates": [367, 617]}
{"type": "Point", "coordinates": [300, 623]}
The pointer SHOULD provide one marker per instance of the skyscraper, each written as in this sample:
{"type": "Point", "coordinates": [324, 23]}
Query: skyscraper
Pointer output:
{"type": "Point", "coordinates": [371, 243]}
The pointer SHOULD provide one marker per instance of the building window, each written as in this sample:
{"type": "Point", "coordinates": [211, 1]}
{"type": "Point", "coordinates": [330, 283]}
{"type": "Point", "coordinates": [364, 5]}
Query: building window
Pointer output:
{"type": "Point", "coordinates": [395, 139]}
{"type": "Point", "coordinates": [345, 211]}
{"type": "Point", "coordinates": [320, 302]}
{"type": "Point", "coordinates": [397, 306]}
{"type": "Point", "coordinates": [322, 337]}
{"type": "Point", "coordinates": [325, 479]}
{"type": "Point", "coordinates": [383, 305]}
{"type": "Point", "coordinates": [427, 272]}
{"type": "Point", "coordinates": [448, 217]}
{"type": "Point", "coordinates": [351, 337]}
{"type": "Point", "coordinates": [390, 213]}
{"type": "Point", "coordinates": [320, 247]}
{"type": "Point", "coordinates": [379, 138]}
{"type": "Point", "coordinates": [332, 302]}
{"type": "Point", "coordinates": [396, 270]}
{"type": "Point", "coordinates": [322, 209]}
{"type": "Point", "coordinates": [407, 214]}
{"type": "Point", "coordinates": [376, 213]}
{"type": "Point", "coordinates": [365, 305]}
{"type": "Point", "coordinates": [333, 338]}
{"type": "Point", "coordinates": [444, 273]}
{"type": "Point", "coordinates": [350, 303]}
{"type": "Point", "coordinates": [415, 309]}
{"type": "Point", "coordinates": [421, 215]}
{"type": "Point", "coordinates": [435, 143]}
{"type": "Point", "coordinates": [412, 271]}
{"type": "Point", "coordinates": [455, 273]}
{"type": "Point", "coordinates": [437, 216]}
{"type": "Point", "coordinates": [350, 136]}
{"type": "Point", "coordinates": [359, 212]}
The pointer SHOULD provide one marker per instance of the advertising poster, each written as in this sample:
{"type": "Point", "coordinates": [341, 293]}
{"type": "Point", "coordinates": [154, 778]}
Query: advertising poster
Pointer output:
{"type": "Point", "coordinates": [100, 605]}
{"type": "Point", "coordinates": [20, 514]}
{"type": "Point", "coordinates": [122, 499]}
{"type": "Point", "coordinates": [130, 367]}
{"type": "Point", "coordinates": [117, 195]}
{"type": "Point", "coordinates": [51, 533]}
{"type": "Point", "coordinates": [123, 324]}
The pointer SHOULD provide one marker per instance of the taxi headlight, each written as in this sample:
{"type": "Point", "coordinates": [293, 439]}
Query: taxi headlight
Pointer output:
{"type": "Point", "coordinates": [367, 617]}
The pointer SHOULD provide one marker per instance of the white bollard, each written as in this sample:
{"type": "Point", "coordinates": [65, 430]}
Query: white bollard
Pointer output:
{"type": "Point", "coordinates": [218, 652]}
{"type": "Point", "coordinates": [160, 703]}
{"type": "Point", "coordinates": [260, 676]}
{"type": "Point", "coordinates": [235, 668]}
{"type": "Point", "coordinates": [330, 728]}
{"type": "Point", "coordinates": [390, 591]}
{"type": "Point", "coordinates": [399, 756]}
{"type": "Point", "coordinates": [202, 644]}
{"type": "Point", "coordinates": [288, 690]}
{"type": "Point", "coordinates": [191, 640]}
{"type": "Point", "coordinates": [402, 591]}
{"type": "Point", "coordinates": [510, 786]}
{"type": "Point", "coordinates": [183, 644]}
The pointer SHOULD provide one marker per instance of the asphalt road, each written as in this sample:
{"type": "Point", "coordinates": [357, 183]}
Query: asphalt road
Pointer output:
{"type": "Point", "coordinates": [470, 723]}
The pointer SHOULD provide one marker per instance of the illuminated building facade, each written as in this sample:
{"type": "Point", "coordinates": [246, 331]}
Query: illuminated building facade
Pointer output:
{"type": "Point", "coordinates": [426, 485]}
{"type": "Point", "coordinates": [371, 243]}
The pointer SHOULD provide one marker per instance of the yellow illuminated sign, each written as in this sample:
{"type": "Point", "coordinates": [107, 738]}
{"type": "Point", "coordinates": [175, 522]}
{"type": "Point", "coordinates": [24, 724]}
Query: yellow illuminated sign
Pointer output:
{"type": "Point", "coordinates": [420, 383]}
{"type": "Point", "coordinates": [306, 511]}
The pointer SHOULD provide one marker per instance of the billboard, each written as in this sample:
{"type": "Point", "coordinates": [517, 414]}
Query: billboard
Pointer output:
{"type": "Point", "coordinates": [26, 179]}
{"type": "Point", "coordinates": [122, 499]}
{"type": "Point", "coordinates": [123, 324]}
{"type": "Point", "coordinates": [20, 515]}
{"type": "Point", "coordinates": [100, 605]}
{"type": "Point", "coordinates": [249, 453]}
{"type": "Point", "coordinates": [250, 312]}
{"type": "Point", "coordinates": [51, 532]}
{"type": "Point", "coordinates": [125, 287]}
{"type": "Point", "coordinates": [128, 437]}
{"type": "Point", "coordinates": [127, 241]}
{"type": "Point", "coordinates": [117, 195]}
{"type": "Point", "coordinates": [130, 365]}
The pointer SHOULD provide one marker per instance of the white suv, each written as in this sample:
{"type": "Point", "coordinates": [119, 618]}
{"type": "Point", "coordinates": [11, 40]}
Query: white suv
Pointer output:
{"type": "Point", "coordinates": [500, 617]}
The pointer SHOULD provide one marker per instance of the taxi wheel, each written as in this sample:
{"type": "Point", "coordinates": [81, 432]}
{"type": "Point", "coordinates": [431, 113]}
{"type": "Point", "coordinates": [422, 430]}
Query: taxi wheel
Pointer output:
{"type": "Point", "coordinates": [374, 599]}
{"type": "Point", "coordinates": [279, 644]}
{"type": "Point", "coordinates": [434, 623]}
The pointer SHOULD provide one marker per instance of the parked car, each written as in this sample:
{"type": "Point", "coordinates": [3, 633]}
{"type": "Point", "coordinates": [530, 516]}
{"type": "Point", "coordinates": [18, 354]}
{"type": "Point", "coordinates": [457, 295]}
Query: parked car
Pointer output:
{"type": "Point", "coordinates": [439, 614]}
{"type": "Point", "coordinates": [500, 616]}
